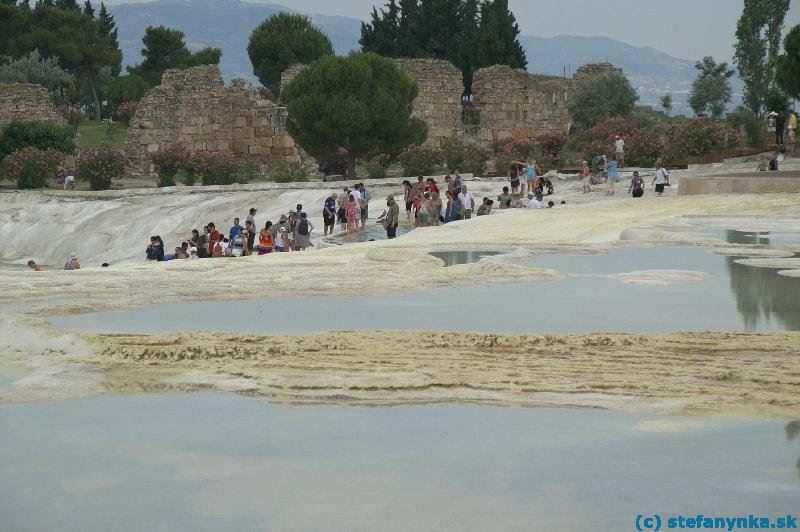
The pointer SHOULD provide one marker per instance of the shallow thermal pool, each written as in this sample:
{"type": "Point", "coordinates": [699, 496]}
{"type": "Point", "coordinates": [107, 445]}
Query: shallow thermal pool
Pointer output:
{"type": "Point", "coordinates": [736, 297]}
{"type": "Point", "coordinates": [223, 462]}
{"type": "Point", "coordinates": [371, 231]}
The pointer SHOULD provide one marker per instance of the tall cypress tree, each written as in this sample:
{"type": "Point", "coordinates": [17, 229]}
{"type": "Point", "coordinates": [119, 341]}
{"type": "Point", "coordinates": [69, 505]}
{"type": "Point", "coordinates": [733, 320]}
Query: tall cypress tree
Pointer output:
{"type": "Point", "coordinates": [498, 43]}
{"type": "Point", "coordinates": [435, 18]}
{"type": "Point", "coordinates": [758, 39]}
{"type": "Point", "coordinates": [67, 4]}
{"type": "Point", "coordinates": [408, 44]}
{"type": "Point", "coordinates": [107, 27]}
{"type": "Point", "coordinates": [466, 41]}
{"type": "Point", "coordinates": [380, 36]}
{"type": "Point", "coordinates": [88, 9]}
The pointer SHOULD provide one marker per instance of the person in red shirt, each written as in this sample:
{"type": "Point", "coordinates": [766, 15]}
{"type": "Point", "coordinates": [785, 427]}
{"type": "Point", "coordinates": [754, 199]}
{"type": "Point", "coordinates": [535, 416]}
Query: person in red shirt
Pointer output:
{"type": "Point", "coordinates": [431, 186]}
{"type": "Point", "coordinates": [212, 238]}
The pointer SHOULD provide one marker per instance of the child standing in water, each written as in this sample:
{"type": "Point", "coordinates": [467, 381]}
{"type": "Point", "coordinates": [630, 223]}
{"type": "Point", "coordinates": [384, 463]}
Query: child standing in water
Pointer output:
{"type": "Point", "coordinates": [350, 210]}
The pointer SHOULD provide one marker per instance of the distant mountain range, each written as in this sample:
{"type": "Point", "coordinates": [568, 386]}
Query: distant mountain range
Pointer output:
{"type": "Point", "coordinates": [227, 24]}
{"type": "Point", "coordinates": [224, 24]}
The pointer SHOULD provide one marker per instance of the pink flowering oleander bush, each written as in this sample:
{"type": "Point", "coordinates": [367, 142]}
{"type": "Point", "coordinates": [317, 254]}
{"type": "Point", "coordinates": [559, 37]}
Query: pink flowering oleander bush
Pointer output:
{"type": "Point", "coordinates": [215, 167]}
{"type": "Point", "coordinates": [515, 148]}
{"type": "Point", "coordinates": [701, 136]}
{"type": "Point", "coordinates": [101, 165]}
{"type": "Point", "coordinates": [549, 145]}
{"type": "Point", "coordinates": [468, 158]}
{"type": "Point", "coordinates": [421, 160]}
{"type": "Point", "coordinates": [31, 167]}
{"type": "Point", "coordinates": [168, 160]}
{"type": "Point", "coordinates": [642, 147]}
{"type": "Point", "coordinates": [126, 110]}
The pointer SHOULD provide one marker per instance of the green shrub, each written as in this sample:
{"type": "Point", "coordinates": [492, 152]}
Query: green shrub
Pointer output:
{"type": "Point", "coordinates": [281, 171]}
{"type": "Point", "coordinates": [214, 168]}
{"type": "Point", "coordinates": [744, 120]}
{"type": "Point", "coordinates": [101, 165]}
{"type": "Point", "coordinates": [377, 166]}
{"type": "Point", "coordinates": [189, 178]}
{"type": "Point", "coordinates": [465, 157]}
{"type": "Point", "coordinates": [31, 167]}
{"type": "Point", "coordinates": [421, 160]}
{"type": "Point", "coordinates": [43, 135]}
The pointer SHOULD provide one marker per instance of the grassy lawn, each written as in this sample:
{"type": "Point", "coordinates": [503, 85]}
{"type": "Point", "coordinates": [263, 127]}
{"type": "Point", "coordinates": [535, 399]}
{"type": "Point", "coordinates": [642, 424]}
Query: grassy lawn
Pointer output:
{"type": "Point", "coordinates": [92, 134]}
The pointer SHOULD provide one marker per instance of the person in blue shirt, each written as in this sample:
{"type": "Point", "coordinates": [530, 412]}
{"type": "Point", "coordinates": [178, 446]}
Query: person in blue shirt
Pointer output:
{"type": "Point", "coordinates": [236, 229]}
{"type": "Point", "coordinates": [612, 177]}
{"type": "Point", "coordinates": [329, 214]}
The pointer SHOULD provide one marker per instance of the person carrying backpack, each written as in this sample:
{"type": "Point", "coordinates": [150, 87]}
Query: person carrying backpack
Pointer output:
{"type": "Point", "coordinates": [302, 237]}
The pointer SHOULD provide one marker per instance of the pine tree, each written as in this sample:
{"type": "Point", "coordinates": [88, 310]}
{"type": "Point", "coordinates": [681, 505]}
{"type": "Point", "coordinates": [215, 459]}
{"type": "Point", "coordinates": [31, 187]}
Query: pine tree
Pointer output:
{"type": "Point", "coordinates": [88, 9]}
{"type": "Point", "coordinates": [498, 43]}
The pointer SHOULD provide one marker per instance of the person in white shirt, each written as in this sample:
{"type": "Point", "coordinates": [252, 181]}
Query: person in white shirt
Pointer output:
{"type": "Point", "coordinates": [619, 151]}
{"type": "Point", "coordinates": [661, 179]}
{"type": "Point", "coordinates": [467, 201]}
{"type": "Point", "coordinates": [535, 202]}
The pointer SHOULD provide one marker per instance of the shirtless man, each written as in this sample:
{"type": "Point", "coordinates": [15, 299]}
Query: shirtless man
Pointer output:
{"type": "Point", "coordinates": [35, 267]}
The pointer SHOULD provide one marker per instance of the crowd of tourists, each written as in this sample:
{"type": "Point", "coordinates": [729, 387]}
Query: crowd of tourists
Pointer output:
{"type": "Point", "coordinates": [427, 202]}
{"type": "Point", "coordinates": [292, 232]}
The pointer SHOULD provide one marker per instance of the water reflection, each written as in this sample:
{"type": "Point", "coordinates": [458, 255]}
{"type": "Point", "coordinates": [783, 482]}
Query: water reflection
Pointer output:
{"type": "Point", "coordinates": [220, 462]}
{"type": "Point", "coordinates": [454, 258]}
{"type": "Point", "coordinates": [762, 294]}
{"type": "Point", "coordinates": [372, 231]}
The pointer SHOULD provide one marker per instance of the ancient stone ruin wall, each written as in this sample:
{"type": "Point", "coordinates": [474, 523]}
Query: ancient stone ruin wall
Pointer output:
{"type": "Point", "coordinates": [27, 102]}
{"type": "Point", "coordinates": [438, 103]}
{"type": "Point", "coordinates": [193, 106]}
{"type": "Point", "coordinates": [513, 103]}
{"type": "Point", "coordinates": [595, 69]}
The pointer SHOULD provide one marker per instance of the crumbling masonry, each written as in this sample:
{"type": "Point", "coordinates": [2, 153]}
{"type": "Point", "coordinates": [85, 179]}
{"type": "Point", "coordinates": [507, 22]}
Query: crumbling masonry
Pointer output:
{"type": "Point", "coordinates": [195, 107]}
{"type": "Point", "coordinates": [26, 102]}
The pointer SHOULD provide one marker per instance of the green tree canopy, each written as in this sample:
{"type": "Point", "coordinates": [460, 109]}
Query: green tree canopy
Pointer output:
{"type": "Point", "coordinates": [283, 40]}
{"type": "Point", "coordinates": [598, 98]}
{"type": "Point", "coordinates": [460, 31]}
{"type": "Point", "coordinates": [164, 48]}
{"type": "Point", "coordinates": [33, 68]}
{"type": "Point", "coordinates": [666, 103]}
{"type": "Point", "coordinates": [498, 44]}
{"type": "Point", "coordinates": [711, 90]}
{"type": "Point", "coordinates": [788, 66]}
{"type": "Point", "coordinates": [361, 103]}
{"type": "Point", "coordinates": [758, 39]}
{"type": "Point", "coordinates": [75, 39]}
{"type": "Point", "coordinates": [125, 89]}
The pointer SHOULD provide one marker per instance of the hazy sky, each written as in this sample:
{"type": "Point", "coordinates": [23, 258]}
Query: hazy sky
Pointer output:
{"type": "Point", "coordinates": [688, 29]}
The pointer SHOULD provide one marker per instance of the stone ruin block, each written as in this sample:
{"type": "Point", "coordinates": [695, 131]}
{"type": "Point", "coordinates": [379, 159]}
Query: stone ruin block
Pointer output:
{"type": "Point", "coordinates": [194, 106]}
{"type": "Point", "coordinates": [27, 102]}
